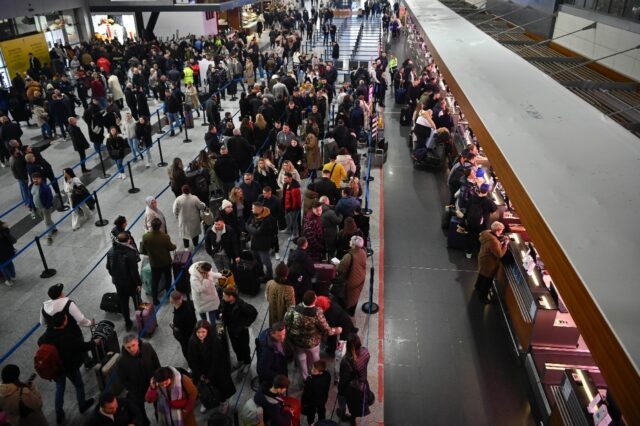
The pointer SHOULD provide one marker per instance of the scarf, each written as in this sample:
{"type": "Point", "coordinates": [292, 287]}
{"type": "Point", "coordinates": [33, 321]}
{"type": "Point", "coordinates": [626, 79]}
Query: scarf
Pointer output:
{"type": "Point", "coordinates": [172, 417]}
{"type": "Point", "coordinates": [148, 210]}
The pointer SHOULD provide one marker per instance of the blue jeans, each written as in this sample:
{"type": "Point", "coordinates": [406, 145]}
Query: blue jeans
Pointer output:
{"type": "Point", "coordinates": [210, 316]}
{"type": "Point", "coordinates": [119, 164]}
{"type": "Point", "coordinates": [61, 385]}
{"type": "Point", "coordinates": [24, 191]}
{"type": "Point", "coordinates": [46, 130]}
{"type": "Point", "coordinates": [133, 144]}
{"type": "Point", "coordinates": [9, 271]}
{"type": "Point", "coordinates": [174, 117]}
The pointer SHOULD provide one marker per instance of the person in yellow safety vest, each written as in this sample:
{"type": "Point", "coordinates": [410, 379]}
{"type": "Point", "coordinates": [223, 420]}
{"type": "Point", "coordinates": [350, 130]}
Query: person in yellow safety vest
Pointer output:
{"type": "Point", "coordinates": [188, 75]}
{"type": "Point", "coordinates": [393, 64]}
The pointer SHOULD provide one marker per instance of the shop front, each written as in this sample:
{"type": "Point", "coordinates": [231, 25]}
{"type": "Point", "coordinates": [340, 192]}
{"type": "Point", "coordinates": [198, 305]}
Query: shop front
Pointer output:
{"type": "Point", "coordinates": [120, 27]}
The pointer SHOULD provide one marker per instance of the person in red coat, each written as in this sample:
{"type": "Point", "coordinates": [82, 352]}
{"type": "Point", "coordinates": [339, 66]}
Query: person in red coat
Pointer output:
{"type": "Point", "coordinates": [292, 204]}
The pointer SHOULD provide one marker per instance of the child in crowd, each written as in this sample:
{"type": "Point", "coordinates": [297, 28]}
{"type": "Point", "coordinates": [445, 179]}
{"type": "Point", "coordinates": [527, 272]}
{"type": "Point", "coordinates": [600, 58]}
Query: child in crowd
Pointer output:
{"type": "Point", "coordinates": [316, 392]}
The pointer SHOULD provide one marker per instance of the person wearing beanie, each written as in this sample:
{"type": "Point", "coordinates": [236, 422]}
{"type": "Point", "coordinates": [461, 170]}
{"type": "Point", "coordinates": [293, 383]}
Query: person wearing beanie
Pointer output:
{"type": "Point", "coordinates": [478, 218]}
{"type": "Point", "coordinates": [12, 391]}
{"type": "Point", "coordinates": [261, 226]}
{"type": "Point", "coordinates": [353, 268]}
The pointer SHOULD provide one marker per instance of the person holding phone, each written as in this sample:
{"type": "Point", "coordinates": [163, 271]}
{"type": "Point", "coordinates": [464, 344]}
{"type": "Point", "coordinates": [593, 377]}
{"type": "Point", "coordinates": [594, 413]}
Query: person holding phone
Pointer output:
{"type": "Point", "coordinates": [20, 400]}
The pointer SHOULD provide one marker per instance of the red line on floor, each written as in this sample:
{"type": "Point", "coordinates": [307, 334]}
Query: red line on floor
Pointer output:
{"type": "Point", "coordinates": [381, 290]}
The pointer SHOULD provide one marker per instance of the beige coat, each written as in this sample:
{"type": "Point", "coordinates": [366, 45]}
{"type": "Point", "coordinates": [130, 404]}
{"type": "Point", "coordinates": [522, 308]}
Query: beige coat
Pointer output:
{"type": "Point", "coordinates": [491, 251]}
{"type": "Point", "coordinates": [356, 276]}
{"type": "Point", "coordinates": [248, 73]}
{"type": "Point", "coordinates": [279, 297]}
{"type": "Point", "coordinates": [9, 401]}
{"type": "Point", "coordinates": [187, 208]}
{"type": "Point", "coordinates": [115, 88]}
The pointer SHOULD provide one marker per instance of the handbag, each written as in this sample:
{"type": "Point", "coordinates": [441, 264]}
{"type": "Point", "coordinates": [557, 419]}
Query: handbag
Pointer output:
{"type": "Point", "coordinates": [80, 193]}
{"type": "Point", "coordinates": [208, 395]}
{"type": "Point", "coordinates": [23, 410]}
{"type": "Point", "coordinates": [207, 217]}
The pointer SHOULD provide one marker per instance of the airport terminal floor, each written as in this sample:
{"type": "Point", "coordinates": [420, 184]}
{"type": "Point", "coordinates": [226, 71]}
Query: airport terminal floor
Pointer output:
{"type": "Point", "coordinates": [438, 355]}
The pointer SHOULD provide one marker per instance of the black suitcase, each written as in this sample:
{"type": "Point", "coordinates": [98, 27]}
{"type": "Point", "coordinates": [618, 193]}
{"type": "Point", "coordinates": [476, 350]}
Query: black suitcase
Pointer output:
{"type": "Point", "coordinates": [110, 303]}
{"type": "Point", "coordinates": [106, 374]}
{"type": "Point", "coordinates": [246, 274]}
{"type": "Point", "coordinates": [181, 261]}
{"type": "Point", "coordinates": [106, 332]}
{"type": "Point", "coordinates": [455, 239]}
{"type": "Point", "coordinates": [401, 96]}
{"type": "Point", "coordinates": [405, 116]}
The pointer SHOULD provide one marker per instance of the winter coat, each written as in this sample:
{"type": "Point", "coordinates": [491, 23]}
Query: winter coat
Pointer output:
{"type": "Point", "coordinates": [126, 414]}
{"type": "Point", "coordinates": [115, 88]}
{"type": "Point", "coordinates": [189, 393]}
{"type": "Point", "coordinates": [41, 115]}
{"type": "Point", "coordinates": [187, 208]}
{"type": "Point", "coordinates": [9, 400]}
{"type": "Point", "coordinates": [70, 345]}
{"type": "Point", "coordinates": [325, 186]}
{"type": "Point", "coordinates": [301, 272]}
{"type": "Point", "coordinates": [248, 73]}
{"type": "Point", "coordinates": [267, 179]}
{"type": "Point", "coordinates": [149, 215]}
{"type": "Point", "coordinates": [226, 168]}
{"type": "Point", "coordinates": [272, 359]}
{"type": "Point", "coordinates": [143, 133]}
{"type": "Point", "coordinates": [184, 320]}
{"type": "Point", "coordinates": [279, 297]}
{"type": "Point", "coordinates": [354, 264]}
{"type": "Point", "coordinates": [229, 242]}
{"type": "Point", "coordinates": [46, 196]}
{"type": "Point", "coordinates": [347, 163]}
{"type": "Point", "coordinates": [122, 264]}
{"type": "Point", "coordinates": [237, 316]}
{"type": "Point", "coordinates": [261, 228]}
{"type": "Point", "coordinates": [116, 147]}
{"type": "Point", "coordinates": [330, 222]}
{"type": "Point", "coordinates": [346, 206]}
{"type": "Point", "coordinates": [306, 326]}
{"type": "Point", "coordinates": [310, 197]}
{"type": "Point", "coordinates": [347, 373]}
{"type": "Point", "coordinates": [211, 360]}
{"type": "Point", "coordinates": [135, 372]}
{"type": "Point", "coordinates": [491, 251]}
{"type": "Point", "coordinates": [272, 407]}
{"type": "Point", "coordinates": [203, 289]}
{"type": "Point", "coordinates": [315, 392]}
{"type": "Point", "coordinates": [312, 230]}
{"type": "Point", "coordinates": [292, 197]}
{"type": "Point", "coordinates": [241, 151]}
{"type": "Point", "coordinates": [78, 139]}
{"type": "Point", "coordinates": [313, 157]}
{"type": "Point", "coordinates": [129, 128]}
{"type": "Point", "coordinates": [6, 244]}
{"type": "Point", "coordinates": [158, 246]}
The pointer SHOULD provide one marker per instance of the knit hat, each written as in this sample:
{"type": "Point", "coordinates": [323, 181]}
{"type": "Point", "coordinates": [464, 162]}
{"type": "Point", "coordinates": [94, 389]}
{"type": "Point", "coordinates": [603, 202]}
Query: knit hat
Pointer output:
{"type": "Point", "coordinates": [225, 204]}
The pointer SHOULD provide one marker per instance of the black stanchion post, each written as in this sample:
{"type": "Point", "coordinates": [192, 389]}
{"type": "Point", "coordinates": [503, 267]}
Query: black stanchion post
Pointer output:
{"type": "Point", "coordinates": [186, 132]}
{"type": "Point", "coordinates": [105, 175]}
{"type": "Point", "coordinates": [133, 189]}
{"type": "Point", "coordinates": [162, 163]}
{"type": "Point", "coordinates": [101, 221]}
{"type": "Point", "coordinates": [370, 307]}
{"type": "Point", "coordinates": [204, 116]}
{"type": "Point", "coordinates": [159, 121]}
{"type": "Point", "coordinates": [48, 272]}
{"type": "Point", "coordinates": [62, 207]}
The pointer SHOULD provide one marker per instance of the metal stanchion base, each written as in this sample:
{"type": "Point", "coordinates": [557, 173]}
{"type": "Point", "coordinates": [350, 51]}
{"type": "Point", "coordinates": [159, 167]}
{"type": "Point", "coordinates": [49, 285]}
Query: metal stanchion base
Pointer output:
{"type": "Point", "coordinates": [102, 222]}
{"type": "Point", "coordinates": [186, 140]}
{"type": "Point", "coordinates": [133, 190]}
{"type": "Point", "coordinates": [163, 164]}
{"type": "Point", "coordinates": [369, 252]}
{"type": "Point", "coordinates": [48, 273]}
{"type": "Point", "coordinates": [368, 179]}
{"type": "Point", "coordinates": [63, 208]}
{"type": "Point", "coordinates": [370, 307]}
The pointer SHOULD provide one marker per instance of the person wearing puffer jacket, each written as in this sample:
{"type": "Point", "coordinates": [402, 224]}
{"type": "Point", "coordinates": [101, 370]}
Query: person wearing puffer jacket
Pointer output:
{"type": "Point", "coordinates": [129, 132]}
{"type": "Point", "coordinates": [205, 296]}
{"type": "Point", "coordinates": [347, 162]}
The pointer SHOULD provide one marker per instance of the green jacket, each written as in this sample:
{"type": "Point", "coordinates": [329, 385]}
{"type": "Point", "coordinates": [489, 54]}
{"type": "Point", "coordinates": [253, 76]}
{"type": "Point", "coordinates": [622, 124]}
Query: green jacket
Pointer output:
{"type": "Point", "coordinates": [158, 247]}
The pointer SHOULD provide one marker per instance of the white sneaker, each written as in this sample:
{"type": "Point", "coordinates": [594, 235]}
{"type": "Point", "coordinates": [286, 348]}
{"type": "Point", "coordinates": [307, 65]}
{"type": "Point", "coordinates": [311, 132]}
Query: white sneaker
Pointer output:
{"type": "Point", "coordinates": [469, 255]}
{"type": "Point", "coordinates": [8, 283]}
{"type": "Point", "coordinates": [277, 256]}
{"type": "Point", "coordinates": [203, 409]}
{"type": "Point", "coordinates": [147, 165]}
{"type": "Point", "coordinates": [123, 176]}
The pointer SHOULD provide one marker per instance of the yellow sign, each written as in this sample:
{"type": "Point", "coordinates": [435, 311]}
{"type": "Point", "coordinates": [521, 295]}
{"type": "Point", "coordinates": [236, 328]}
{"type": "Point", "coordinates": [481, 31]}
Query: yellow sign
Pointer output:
{"type": "Point", "coordinates": [16, 52]}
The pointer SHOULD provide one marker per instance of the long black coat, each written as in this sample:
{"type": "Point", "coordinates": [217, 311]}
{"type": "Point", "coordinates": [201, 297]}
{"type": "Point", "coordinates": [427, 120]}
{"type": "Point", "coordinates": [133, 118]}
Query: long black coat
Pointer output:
{"type": "Point", "coordinates": [184, 320]}
{"type": "Point", "coordinates": [6, 244]}
{"type": "Point", "coordinates": [122, 264]}
{"type": "Point", "coordinates": [78, 139]}
{"type": "Point", "coordinates": [211, 360]}
{"type": "Point", "coordinates": [135, 372]}
{"type": "Point", "coordinates": [241, 151]}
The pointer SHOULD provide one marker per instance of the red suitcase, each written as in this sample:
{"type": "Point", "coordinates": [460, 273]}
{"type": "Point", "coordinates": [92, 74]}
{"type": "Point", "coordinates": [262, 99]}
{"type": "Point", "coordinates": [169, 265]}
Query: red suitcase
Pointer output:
{"type": "Point", "coordinates": [294, 406]}
{"type": "Point", "coordinates": [146, 321]}
{"type": "Point", "coordinates": [181, 261]}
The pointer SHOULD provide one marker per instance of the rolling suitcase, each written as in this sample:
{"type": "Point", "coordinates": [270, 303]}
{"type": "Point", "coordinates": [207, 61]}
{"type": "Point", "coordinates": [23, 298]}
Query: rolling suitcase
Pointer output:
{"type": "Point", "coordinates": [455, 239]}
{"type": "Point", "coordinates": [325, 273]}
{"type": "Point", "coordinates": [146, 321]}
{"type": "Point", "coordinates": [106, 374]}
{"type": "Point", "coordinates": [110, 303]}
{"type": "Point", "coordinates": [401, 95]}
{"type": "Point", "coordinates": [246, 274]}
{"type": "Point", "coordinates": [405, 116]}
{"type": "Point", "coordinates": [181, 261]}
{"type": "Point", "coordinates": [105, 331]}
{"type": "Point", "coordinates": [145, 276]}
{"type": "Point", "coordinates": [294, 406]}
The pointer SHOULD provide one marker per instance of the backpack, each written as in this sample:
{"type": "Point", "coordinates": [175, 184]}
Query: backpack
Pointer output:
{"type": "Point", "coordinates": [47, 362]}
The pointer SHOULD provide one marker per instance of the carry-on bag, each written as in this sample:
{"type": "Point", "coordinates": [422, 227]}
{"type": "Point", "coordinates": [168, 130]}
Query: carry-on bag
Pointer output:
{"type": "Point", "coordinates": [181, 261]}
{"type": "Point", "coordinates": [110, 303]}
{"type": "Point", "coordinates": [146, 321]}
{"type": "Point", "coordinates": [246, 274]}
{"type": "Point", "coordinates": [325, 274]}
{"type": "Point", "coordinates": [106, 373]}
{"type": "Point", "coordinates": [108, 340]}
